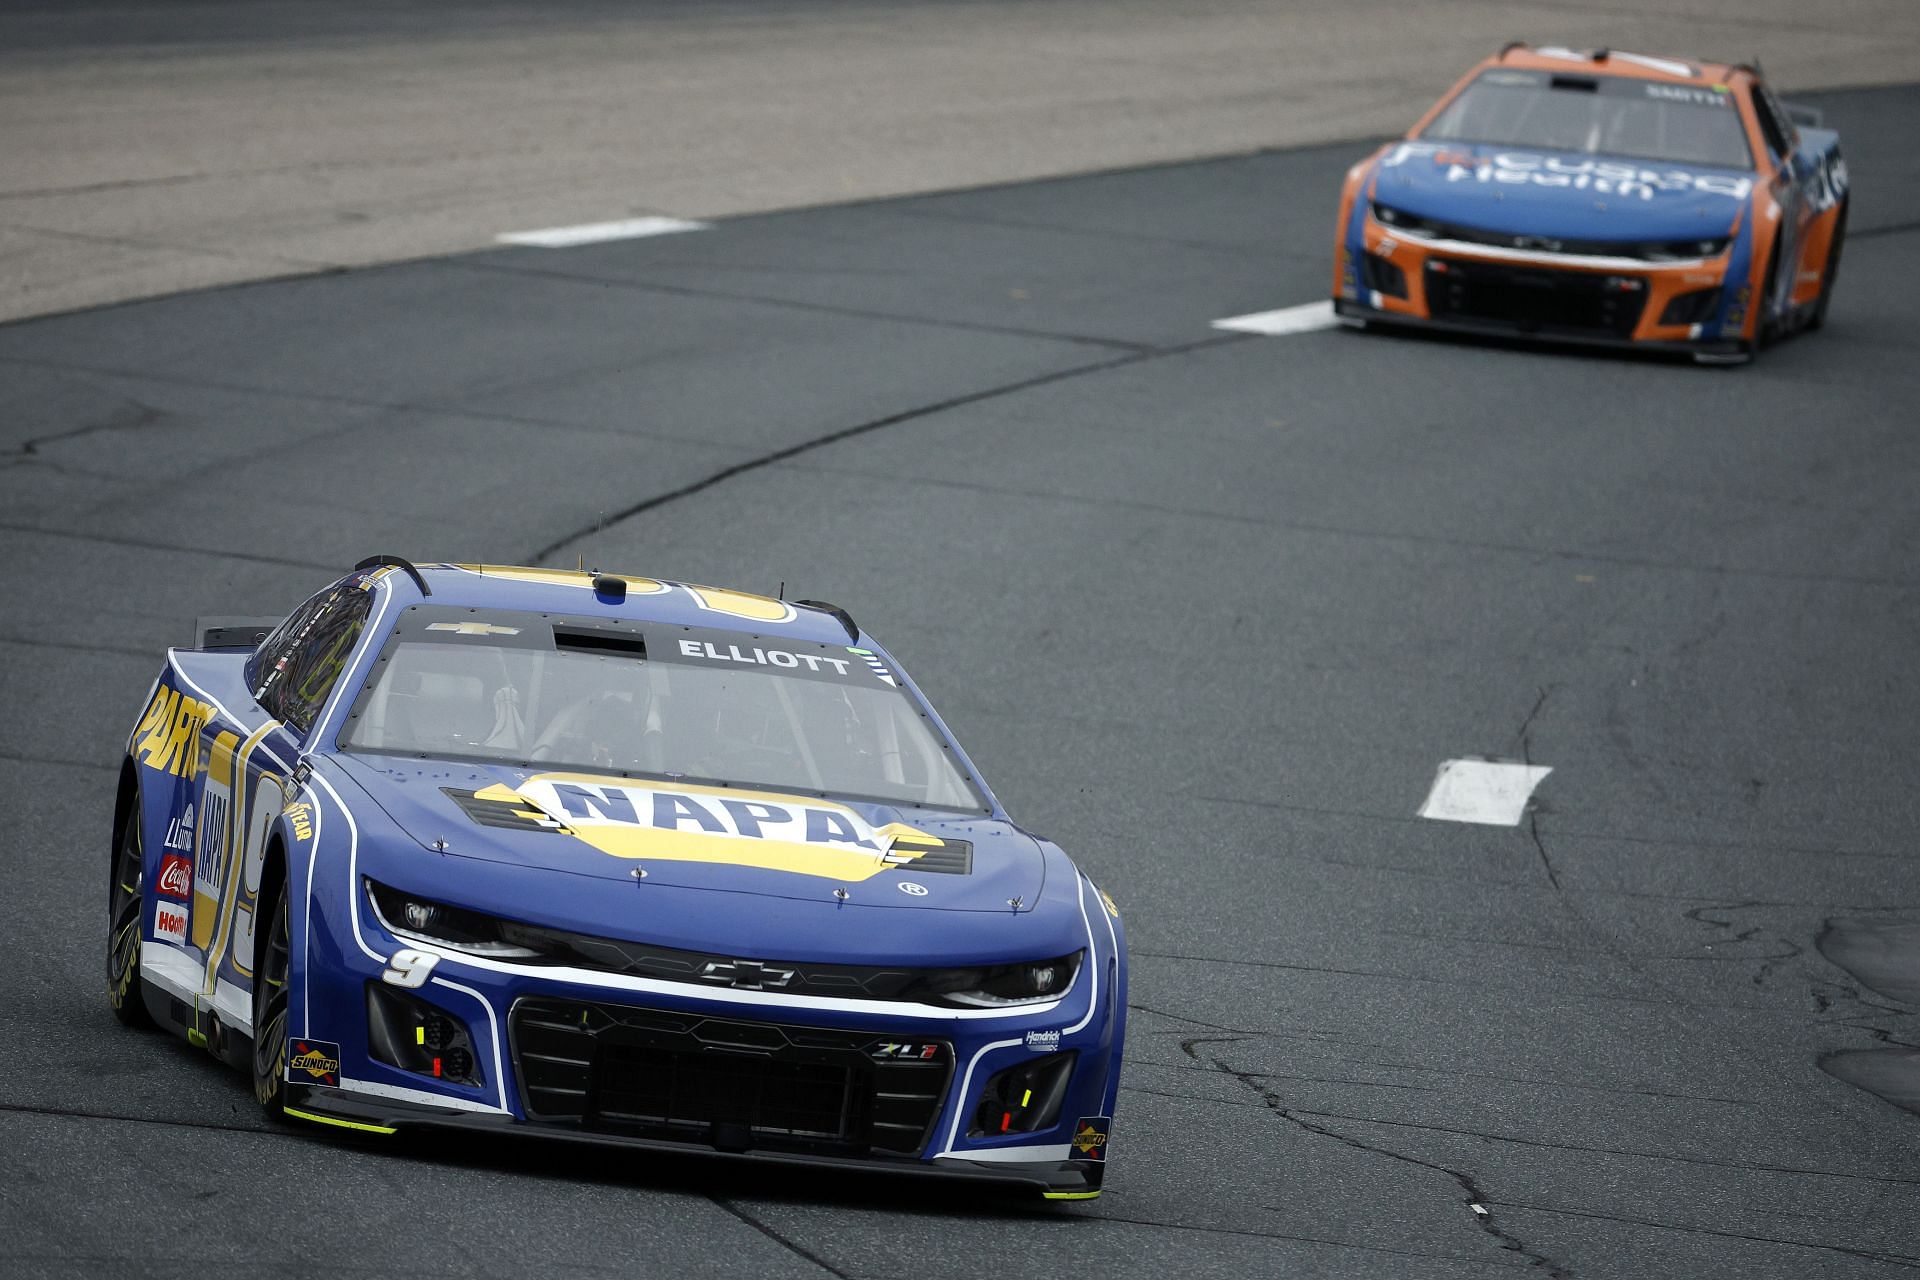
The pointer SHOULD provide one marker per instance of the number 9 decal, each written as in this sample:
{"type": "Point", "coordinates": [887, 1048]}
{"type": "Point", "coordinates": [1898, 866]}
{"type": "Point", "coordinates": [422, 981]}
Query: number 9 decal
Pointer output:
{"type": "Point", "coordinates": [409, 968]}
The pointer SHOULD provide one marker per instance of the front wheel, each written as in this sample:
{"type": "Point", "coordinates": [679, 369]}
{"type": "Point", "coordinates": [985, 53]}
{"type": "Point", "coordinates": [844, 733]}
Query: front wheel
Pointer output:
{"type": "Point", "coordinates": [124, 905]}
{"type": "Point", "coordinates": [270, 1009]}
{"type": "Point", "coordinates": [1768, 328]}
{"type": "Point", "coordinates": [1839, 241]}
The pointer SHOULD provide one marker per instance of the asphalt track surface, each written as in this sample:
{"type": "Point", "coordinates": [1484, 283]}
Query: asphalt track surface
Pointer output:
{"type": "Point", "coordinates": [152, 147]}
{"type": "Point", "coordinates": [1209, 609]}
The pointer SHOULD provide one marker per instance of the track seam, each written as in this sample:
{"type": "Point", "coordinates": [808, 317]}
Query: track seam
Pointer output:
{"type": "Point", "coordinates": [75, 1113]}
{"type": "Point", "coordinates": [796, 304]}
{"type": "Point", "coordinates": [877, 424]}
{"type": "Point", "coordinates": [797, 1250]}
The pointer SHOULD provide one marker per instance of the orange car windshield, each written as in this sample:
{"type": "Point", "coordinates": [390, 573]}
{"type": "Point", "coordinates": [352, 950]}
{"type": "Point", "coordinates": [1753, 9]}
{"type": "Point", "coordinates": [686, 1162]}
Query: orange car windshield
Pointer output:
{"type": "Point", "coordinates": [1598, 115]}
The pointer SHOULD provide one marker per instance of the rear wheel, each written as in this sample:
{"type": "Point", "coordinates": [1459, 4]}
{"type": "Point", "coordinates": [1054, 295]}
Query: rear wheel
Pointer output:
{"type": "Point", "coordinates": [1839, 241]}
{"type": "Point", "coordinates": [270, 1008]}
{"type": "Point", "coordinates": [124, 905]}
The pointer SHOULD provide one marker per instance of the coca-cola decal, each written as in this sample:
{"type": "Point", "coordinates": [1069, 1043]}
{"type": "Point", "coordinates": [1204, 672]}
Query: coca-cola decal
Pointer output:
{"type": "Point", "coordinates": [176, 878]}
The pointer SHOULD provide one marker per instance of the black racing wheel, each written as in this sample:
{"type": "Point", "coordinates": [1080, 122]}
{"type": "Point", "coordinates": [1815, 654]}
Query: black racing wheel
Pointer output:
{"type": "Point", "coordinates": [1827, 277]}
{"type": "Point", "coordinates": [124, 905]}
{"type": "Point", "coordinates": [270, 1006]}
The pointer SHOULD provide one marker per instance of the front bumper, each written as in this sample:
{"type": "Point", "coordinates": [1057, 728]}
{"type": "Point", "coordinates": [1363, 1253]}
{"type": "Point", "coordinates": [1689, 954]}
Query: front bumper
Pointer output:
{"type": "Point", "coordinates": [1701, 307]}
{"type": "Point", "coordinates": [1706, 350]}
{"type": "Point", "coordinates": [611, 1060]}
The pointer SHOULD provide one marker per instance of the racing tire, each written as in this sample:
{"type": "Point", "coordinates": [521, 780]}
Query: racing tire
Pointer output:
{"type": "Point", "coordinates": [1819, 316]}
{"type": "Point", "coordinates": [125, 904]}
{"type": "Point", "coordinates": [270, 1009]}
{"type": "Point", "coordinates": [1767, 328]}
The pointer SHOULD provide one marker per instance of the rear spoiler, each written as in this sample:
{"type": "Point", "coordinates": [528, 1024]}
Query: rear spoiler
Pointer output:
{"type": "Point", "coordinates": [223, 632]}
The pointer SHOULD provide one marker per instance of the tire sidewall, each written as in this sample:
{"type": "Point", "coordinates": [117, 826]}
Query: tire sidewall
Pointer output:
{"type": "Point", "coordinates": [269, 1078]}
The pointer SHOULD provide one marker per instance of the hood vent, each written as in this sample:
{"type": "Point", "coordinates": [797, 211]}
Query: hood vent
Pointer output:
{"type": "Point", "coordinates": [492, 811]}
{"type": "Point", "coordinates": [932, 857]}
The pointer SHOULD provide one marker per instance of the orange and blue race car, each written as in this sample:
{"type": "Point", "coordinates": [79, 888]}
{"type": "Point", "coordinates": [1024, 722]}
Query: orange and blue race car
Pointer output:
{"type": "Point", "coordinates": [1604, 198]}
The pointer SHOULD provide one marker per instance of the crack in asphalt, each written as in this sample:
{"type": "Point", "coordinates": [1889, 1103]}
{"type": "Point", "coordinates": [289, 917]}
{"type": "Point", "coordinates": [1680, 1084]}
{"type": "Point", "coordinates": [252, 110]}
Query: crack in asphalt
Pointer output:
{"type": "Point", "coordinates": [1878, 582]}
{"type": "Point", "coordinates": [1557, 1084]}
{"type": "Point", "coordinates": [147, 544]}
{"type": "Point", "coordinates": [1476, 1199]}
{"type": "Point", "coordinates": [428, 408]}
{"type": "Point", "coordinates": [76, 646]}
{"type": "Point", "coordinates": [800, 1251]}
{"type": "Point", "coordinates": [1895, 1259]}
{"type": "Point", "coordinates": [1767, 963]}
{"type": "Point", "coordinates": [1284, 1235]}
{"type": "Point", "coordinates": [863, 428]}
{"type": "Point", "coordinates": [795, 304]}
{"type": "Point", "coordinates": [1508, 1140]}
{"type": "Point", "coordinates": [11, 758]}
{"type": "Point", "coordinates": [131, 416]}
{"type": "Point", "coordinates": [1885, 229]}
{"type": "Point", "coordinates": [80, 1113]}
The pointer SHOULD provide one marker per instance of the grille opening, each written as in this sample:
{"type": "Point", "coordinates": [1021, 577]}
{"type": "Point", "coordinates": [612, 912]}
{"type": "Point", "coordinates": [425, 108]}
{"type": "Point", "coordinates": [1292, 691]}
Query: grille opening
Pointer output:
{"type": "Point", "coordinates": [1696, 307]}
{"type": "Point", "coordinates": [1383, 277]}
{"type": "Point", "coordinates": [1535, 300]}
{"type": "Point", "coordinates": [727, 1083]}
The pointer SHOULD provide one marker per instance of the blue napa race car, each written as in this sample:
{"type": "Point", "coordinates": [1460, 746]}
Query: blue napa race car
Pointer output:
{"type": "Point", "coordinates": [615, 860]}
{"type": "Point", "coordinates": [1603, 198]}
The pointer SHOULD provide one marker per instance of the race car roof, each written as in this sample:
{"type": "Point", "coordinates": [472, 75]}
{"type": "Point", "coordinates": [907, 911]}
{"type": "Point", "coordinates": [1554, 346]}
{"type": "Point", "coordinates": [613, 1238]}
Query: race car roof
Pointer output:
{"type": "Point", "coordinates": [1618, 62]}
{"type": "Point", "coordinates": [540, 590]}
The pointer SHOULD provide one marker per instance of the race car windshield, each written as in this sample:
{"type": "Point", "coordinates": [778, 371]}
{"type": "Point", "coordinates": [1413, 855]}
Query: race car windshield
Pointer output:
{"type": "Point", "coordinates": [1597, 115]}
{"type": "Point", "coordinates": [672, 702]}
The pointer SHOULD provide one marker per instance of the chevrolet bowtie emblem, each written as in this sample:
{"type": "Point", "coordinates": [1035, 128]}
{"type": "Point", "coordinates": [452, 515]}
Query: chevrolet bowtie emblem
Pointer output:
{"type": "Point", "coordinates": [750, 975]}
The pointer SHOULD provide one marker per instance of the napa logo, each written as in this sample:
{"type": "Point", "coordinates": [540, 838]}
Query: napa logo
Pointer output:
{"type": "Point", "coordinates": [711, 824]}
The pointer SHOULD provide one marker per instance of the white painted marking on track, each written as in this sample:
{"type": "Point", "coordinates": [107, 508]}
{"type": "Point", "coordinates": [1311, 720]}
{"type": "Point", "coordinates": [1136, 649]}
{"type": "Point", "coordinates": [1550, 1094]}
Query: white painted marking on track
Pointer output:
{"type": "Point", "coordinates": [595, 232]}
{"type": "Point", "coordinates": [1301, 319]}
{"type": "Point", "coordinates": [1484, 791]}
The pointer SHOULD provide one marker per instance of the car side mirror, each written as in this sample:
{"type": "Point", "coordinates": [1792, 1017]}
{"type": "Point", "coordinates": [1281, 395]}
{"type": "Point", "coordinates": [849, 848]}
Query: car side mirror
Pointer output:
{"type": "Point", "coordinates": [1805, 117]}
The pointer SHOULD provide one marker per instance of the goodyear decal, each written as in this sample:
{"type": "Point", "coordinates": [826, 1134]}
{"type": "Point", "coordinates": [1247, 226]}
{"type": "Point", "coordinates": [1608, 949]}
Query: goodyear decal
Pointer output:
{"type": "Point", "coordinates": [168, 735]}
{"type": "Point", "coordinates": [300, 816]}
{"type": "Point", "coordinates": [623, 819]}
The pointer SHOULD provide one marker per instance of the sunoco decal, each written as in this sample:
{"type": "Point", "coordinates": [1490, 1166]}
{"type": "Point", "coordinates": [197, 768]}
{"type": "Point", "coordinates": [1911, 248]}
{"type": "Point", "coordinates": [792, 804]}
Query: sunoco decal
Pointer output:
{"type": "Point", "coordinates": [313, 1062]}
{"type": "Point", "coordinates": [1090, 1137]}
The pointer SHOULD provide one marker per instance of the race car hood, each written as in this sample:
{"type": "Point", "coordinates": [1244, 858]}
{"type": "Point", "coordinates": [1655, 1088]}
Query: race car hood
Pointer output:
{"type": "Point", "coordinates": [722, 840]}
{"type": "Point", "coordinates": [1559, 195]}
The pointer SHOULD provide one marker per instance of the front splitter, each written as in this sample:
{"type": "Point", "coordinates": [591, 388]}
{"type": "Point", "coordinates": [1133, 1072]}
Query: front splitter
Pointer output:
{"type": "Point", "coordinates": [387, 1117]}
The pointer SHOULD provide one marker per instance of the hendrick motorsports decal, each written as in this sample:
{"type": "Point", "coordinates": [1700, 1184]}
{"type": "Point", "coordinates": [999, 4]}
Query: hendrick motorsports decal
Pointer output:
{"type": "Point", "coordinates": [313, 1062]}
{"type": "Point", "coordinates": [626, 819]}
{"type": "Point", "coordinates": [1602, 177]}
